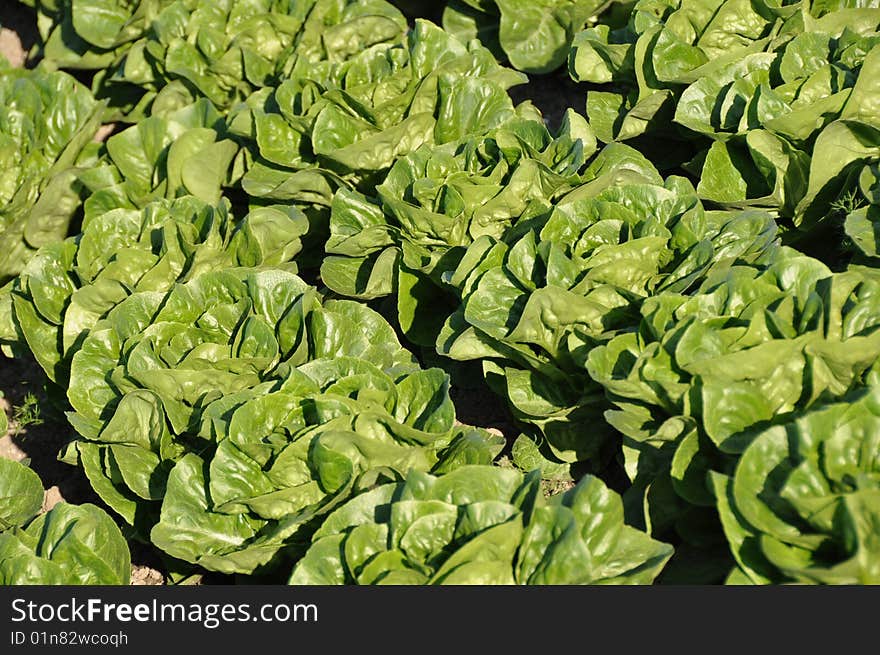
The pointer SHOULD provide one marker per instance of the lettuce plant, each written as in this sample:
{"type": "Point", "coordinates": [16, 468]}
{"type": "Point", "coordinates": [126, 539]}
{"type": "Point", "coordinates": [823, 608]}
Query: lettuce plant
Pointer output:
{"type": "Point", "coordinates": [237, 404]}
{"type": "Point", "coordinates": [68, 545]}
{"type": "Point", "coordinates": [704, 372]}
{"type": "Point", "coordinates": [701, 46]}
{"type": "Point", "coordinates": [344, 124]}
{"type": "Point", "coordinates": [70, 286]}
{"type": "Point", "coordinates": [289, 454]}
{"type": "Point", "coordinates": [533, 306]}
{"type": "Point", "coordinates": [47, 121]}
{"type": "Point", "coordinates": [663, 46]}
{"type": "Point", "coordinates": [763, 148]}
{"type": "Point", "coordinates": [815, 520]}
{"type": "Point", "coordinates": [754, 97]}
{"type": "Point", "coordinates": [480, 525]}
{"type": "Point", "coordinates": [178, 349]}
{"type": "Point", "coordinates": [439, 199]}
{"type": "Point", "coordinates": [224, 51]}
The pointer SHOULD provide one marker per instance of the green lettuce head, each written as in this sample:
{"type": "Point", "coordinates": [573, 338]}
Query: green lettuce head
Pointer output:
{"type": "Point", "coordinates": [480, 525]}
{"type": "Point", "coordinates": [439, 199]}
{"type": "Point", "coordinates": [153, 56]}
{"type": "Point", "coordinates": [68, 545]}
{"type": "Point", "coordinates": [70, 286]}
{"type": "Point", "coordinates": [742, 95]}
{"type": "Point", "coordinates": [705, 372]}
{"type": "Point", "coordinates": [221, 416]}
{"type": "Point", "coordinates": [345, 123]}
{"type": "Point", "coordinates": [815, 520]}
{"type": "Point", "coordinates": [535, 304]}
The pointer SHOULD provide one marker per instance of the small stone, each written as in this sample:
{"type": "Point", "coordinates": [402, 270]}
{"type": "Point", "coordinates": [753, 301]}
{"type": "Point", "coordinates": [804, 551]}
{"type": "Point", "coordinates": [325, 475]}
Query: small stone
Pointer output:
{"type": "Point", "coordinates": [144, 575]}
{"type": "Point", "coordinates": [104, 131]}
{"type": "Point", "coordinates": [51, 498]}
{"type": "Point", "coordinates": [11, 48]}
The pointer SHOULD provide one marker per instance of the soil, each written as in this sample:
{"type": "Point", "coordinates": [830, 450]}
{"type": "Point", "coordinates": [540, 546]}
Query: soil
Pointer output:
{"type": "Point", "coordinates": [38, 430]}
{"type": "Point", "coordinates": [552, 94]}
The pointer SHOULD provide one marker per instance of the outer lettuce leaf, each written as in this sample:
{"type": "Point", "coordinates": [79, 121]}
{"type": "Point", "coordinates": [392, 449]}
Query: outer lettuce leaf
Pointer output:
{"type": "Point", "coordinates": [145, 372]}
{"type": "Point", "coordinates": [533, 36]}
{"type": "Point", "coordinates": [21, 494]}
{"type": "Point", "coordinates": [480, 525]}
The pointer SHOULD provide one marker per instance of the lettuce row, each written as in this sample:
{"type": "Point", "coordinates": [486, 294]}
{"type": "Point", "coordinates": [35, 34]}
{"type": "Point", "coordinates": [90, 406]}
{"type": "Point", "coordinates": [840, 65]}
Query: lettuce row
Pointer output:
{"type": "Point", "coordinates": [438, 200]}
{"type": "Point", "coordinates": [480, 525]}
{"type": "Point", "coordinates": [68, 545]}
